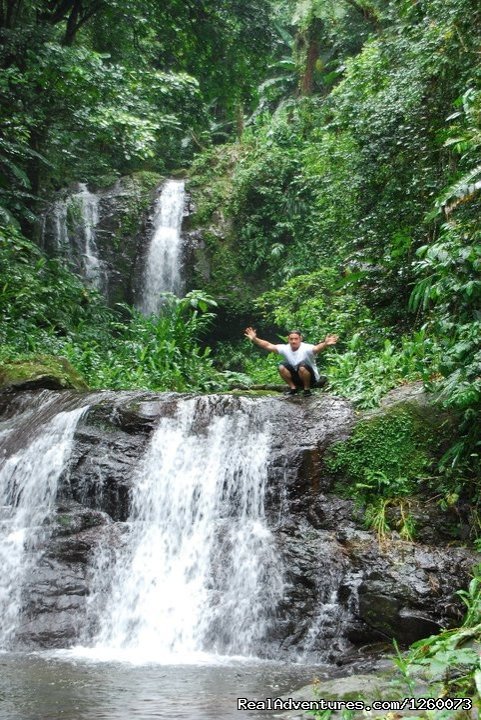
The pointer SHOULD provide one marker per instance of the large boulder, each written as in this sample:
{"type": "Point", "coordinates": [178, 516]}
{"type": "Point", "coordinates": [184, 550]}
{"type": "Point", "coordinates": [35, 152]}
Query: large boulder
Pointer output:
{"type": "Point", "coordinates": [43, 371]}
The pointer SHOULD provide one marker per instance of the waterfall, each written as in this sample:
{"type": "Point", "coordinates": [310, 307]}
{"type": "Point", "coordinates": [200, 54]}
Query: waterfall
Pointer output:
{"type": "Point", "coordinates": [337, 602]}
{"type": "Point", "coordinates": [28, 488]}
{"type": "Point", "coordinates": [92, 267]}
{"type": "Point", "coordinates": [73, 223]}
{"type": "Point", "coordinates": [162, 270]}
{"type": "Point", "coordinates": [198, 571]}
{"type": "Point", "coordinates": [60, 232]}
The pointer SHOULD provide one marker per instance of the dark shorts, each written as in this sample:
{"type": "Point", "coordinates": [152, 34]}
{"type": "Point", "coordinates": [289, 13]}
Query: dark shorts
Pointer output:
{"type": "Point", "coordinates": [295, 375]}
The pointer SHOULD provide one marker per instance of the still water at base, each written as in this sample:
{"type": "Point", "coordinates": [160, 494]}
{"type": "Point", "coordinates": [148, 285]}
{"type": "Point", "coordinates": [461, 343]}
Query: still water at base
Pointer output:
{"type": "Point", "coordinates": [54, 686]}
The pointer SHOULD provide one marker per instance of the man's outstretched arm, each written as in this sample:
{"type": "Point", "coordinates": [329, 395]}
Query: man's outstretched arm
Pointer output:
{"type": "Point", "coordinates": [252, 335]}
{"type": "Point", "coordinates": [328, 340]}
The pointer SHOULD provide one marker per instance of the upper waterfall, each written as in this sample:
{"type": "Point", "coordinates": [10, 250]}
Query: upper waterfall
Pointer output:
{"type": "Point", "coordinates": [73, 227]}
{"type": "Point", "coordinates": [163, 264]}
{"type": "Point", "coordinates": [89, 203]}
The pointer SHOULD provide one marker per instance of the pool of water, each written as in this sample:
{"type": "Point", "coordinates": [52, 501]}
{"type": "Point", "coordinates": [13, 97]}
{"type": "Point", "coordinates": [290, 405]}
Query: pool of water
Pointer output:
{"type": "Point", "coordinates": [65, 685]}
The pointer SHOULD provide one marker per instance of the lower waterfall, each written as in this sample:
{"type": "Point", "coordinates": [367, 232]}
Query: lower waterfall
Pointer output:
{"type": "Point", "coordinates": [197, 571]}
{"type": "Point", "coordinates": [164, 555]}
{"type": "Point", "coordinates": [28, 490]}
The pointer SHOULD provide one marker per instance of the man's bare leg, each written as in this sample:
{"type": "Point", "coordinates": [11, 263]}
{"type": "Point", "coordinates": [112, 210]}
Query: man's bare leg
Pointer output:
{"type": "Point", "coordinates": [287, 377]}
{"type": "Point", "coordinates": [305, 376]}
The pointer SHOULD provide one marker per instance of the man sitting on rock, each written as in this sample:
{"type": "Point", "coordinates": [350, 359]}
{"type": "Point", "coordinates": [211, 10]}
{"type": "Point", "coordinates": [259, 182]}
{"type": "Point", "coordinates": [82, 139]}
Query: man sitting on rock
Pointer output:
{"type": "Point", "coordinates": [298, 368]}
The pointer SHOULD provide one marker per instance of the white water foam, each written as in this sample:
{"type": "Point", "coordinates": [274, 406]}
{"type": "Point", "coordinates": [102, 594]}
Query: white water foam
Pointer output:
{"type": "Point", "coordinates": [92, 266]}
{"type": "Point", "coordinates": [198, 573]}
{"type": "Point", "coordinates": [162, 271]}
{"type": "Point", "coordinates": [79, 243]}
{"type": "Point", "coordinates": [28, 487]}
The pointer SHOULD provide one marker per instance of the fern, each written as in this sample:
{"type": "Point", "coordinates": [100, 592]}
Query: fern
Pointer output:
{"type": "Point", "coordinates": [462, 191]}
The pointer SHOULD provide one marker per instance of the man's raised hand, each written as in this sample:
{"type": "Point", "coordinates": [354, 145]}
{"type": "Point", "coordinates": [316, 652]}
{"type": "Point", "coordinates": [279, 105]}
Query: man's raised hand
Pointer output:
{"type": "Point", "coordinates": [331, 339]}
{"type": "Point", "coordinates": [250, 333]}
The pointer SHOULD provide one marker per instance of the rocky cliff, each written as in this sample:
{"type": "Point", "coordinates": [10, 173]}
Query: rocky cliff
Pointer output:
{"type": "Point", "coordinates": [343, 587]}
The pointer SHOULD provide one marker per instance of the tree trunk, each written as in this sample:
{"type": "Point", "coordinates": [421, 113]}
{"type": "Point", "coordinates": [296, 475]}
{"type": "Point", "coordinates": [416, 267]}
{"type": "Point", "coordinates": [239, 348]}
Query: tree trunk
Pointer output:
{"type": "Point", "coordinates": [239, 111]}
{"type": "Point", "coordinates": [307, 80]}
{"type": "Point", "coordinates": [72, 21]}
{"type": "Point", "coordinates": [9, 12]}
{"type": "Point", "coordinates": [309, 46]}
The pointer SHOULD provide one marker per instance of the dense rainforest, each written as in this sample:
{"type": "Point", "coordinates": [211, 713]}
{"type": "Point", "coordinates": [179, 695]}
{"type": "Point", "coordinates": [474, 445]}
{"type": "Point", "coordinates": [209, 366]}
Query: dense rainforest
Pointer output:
{"type": "Point", "coordinates": [332, 152]}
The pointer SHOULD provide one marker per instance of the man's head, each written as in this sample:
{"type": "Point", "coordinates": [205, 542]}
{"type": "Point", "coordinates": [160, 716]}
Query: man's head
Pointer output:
{"type": "Point", "coordinates": [294, 339]}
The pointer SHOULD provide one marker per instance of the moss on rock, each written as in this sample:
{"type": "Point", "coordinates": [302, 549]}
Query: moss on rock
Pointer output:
{"type": "Point", "coordinates": [400, 442]}
{"type": "Point", "coordinates": [42, 371]}
{"type": "Point", "coordinates": [217, 268]}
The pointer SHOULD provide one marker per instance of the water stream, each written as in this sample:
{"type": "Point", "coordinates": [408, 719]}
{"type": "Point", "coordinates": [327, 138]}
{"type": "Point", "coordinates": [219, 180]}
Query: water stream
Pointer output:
{"type": "Point", "coordinates": [28, 488]}
{"type": "Point", "coordinates": [47, 686]}
{"type": "Point", "coordinates": [163, 263]}
{"type": "Point", "coordinates": [92, 267]}
{"type": "Point", "coordinates": [198, 572]}
{"type": "Point", "coordinates": [73, 222]}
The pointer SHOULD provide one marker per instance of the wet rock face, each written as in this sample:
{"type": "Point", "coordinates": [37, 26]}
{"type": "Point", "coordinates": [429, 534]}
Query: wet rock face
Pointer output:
{"type": "Point", "coordinates": [103, 233]}
{"type": "Point", "coordinates": [341, 586]}
{"type": "Point", "coordinates": [55, 596]}
{"type": "Point", "coordinates": [407, 591]}
{"type": "Point", "coordinates": [300, 433]}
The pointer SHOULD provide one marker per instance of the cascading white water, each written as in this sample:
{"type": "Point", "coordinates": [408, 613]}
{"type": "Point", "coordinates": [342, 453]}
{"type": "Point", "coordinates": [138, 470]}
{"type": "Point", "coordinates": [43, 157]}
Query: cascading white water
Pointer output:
{"type": "Point", "coordinates": [162, 269]}
{"type": "Point", "coordinates": [331, 615]}
{"type": "Point", "coordinates": [28, 486]}
{"type": "Point", "coordinates": [75, 238]}
{"type": "Point", "coordinates": [89, 203]}
{"type": "Point", "coordinates": [60, 232]}
{"type": "Point", "coordinates": [198, 571]}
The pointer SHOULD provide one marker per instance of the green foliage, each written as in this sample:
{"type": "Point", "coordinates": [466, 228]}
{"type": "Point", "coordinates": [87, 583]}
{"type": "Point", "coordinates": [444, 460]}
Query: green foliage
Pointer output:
{"type": "Point", "coordinates": [330, 210]}
{"type": "Point", "coordinates": [218, 268]}
{"type": "Point", "coordinates": [223, 43]}
{"type": "Point", "coordinates": [364, 373]}
{"type": "Point", "coordinates": [317, 303]}
{"type": "Point", "coordinates": [91, 114]}
{"type": "Point", "coordinates": [347, 179]}
{"type": "Point", "coordinates": [343, 189]}
{"type": "Point", "coordinates": [448, 288]}
{"type": "Point", "coordinates": [264, 210]}
{"type": "Point", "coordinates": [46, 309]}
{"type": "Point", "coordinates": [293, 194]}
{"type": "Point", "coordinates": [39, 296]}
{"type": "Point", "coordinates": [377, 510]}
{"type": "Point", "coordinates": [363, 369]}
{"type": "Point", "coordinates": [159, 352]}
{"type": "Point", "coordinates": [364, 365]}
{"type": "Point", "coordinates": [102, 88]}
{"type": "Point", "coordinates": [211, 180]}
{"type": "Point", "coordinates": [472, 599]}
{"type": "Point", "coordinates": [448, 665]}
{"type": "Point", "coordinates": [450, 661]}
{"type": "Point", "coordinates": [386, 454]}
{"type": "Point", "coordinates": [391, 457]}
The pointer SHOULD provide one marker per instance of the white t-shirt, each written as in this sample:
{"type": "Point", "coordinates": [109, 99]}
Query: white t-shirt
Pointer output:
{"type": "Point", "coordinates": [304, 353]}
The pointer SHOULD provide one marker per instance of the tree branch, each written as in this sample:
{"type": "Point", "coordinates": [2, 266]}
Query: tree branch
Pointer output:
{"type": "Point", "coordinates": [58, 11]}
{"type": "Point", "coordinates": [77, 18]}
